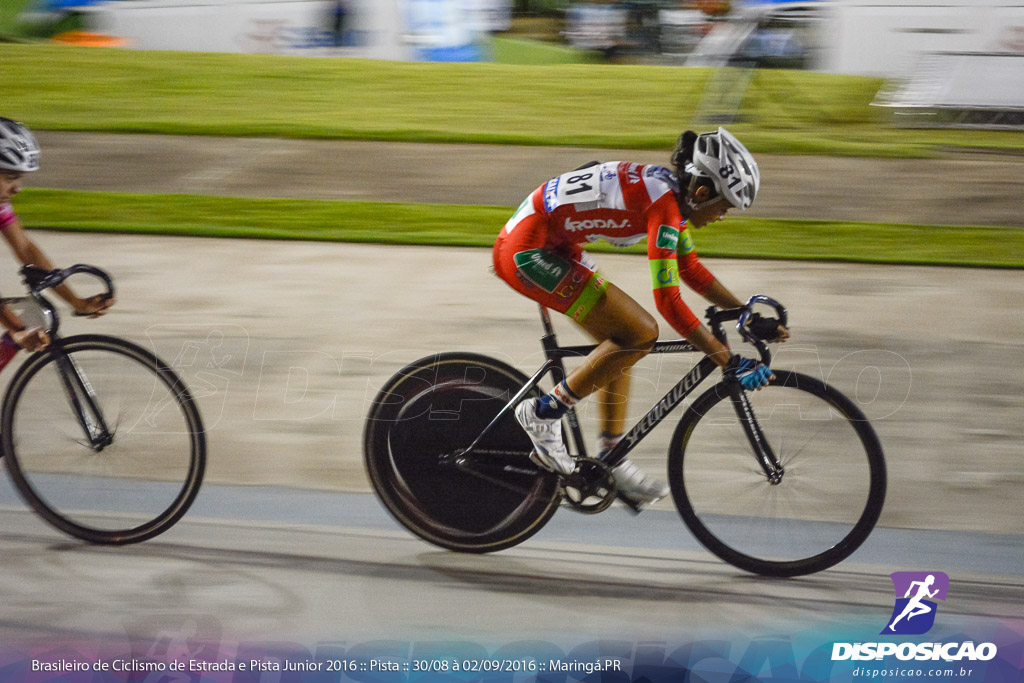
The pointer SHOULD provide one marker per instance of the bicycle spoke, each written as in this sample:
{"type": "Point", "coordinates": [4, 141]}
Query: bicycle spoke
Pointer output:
{"type": "Point", "coordinates": [789, 457]}
{"type": "Point", "coordinates": [811, 518]}
{"type": "Point", "coordinates": [113, 490]}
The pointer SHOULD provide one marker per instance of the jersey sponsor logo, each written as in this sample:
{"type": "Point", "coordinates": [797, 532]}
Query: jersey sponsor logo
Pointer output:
{"type": "Point", "coordinates": [543, 268]}
{"type": "Point", "coordinates": [686, 246]}
{"type": "Point", "coordinates": [595, 224]}
{"type": "Point", "coordinates": [551, 195]}
{"type": "Point", "coordinates": [525, 280]}
{"type": "Point", "coordinates": [664, 273]}
{"type": "Point", "coordinates": [588, 297]}
{"type": "Point", "coordinates": [668, 238]}
{"type": "Point", "coordinates": [660, 173]}
{"type": "Point", "coordinates": [568, 288]}
{"type": "Point", "coordinates": [633, 174]}
{"type": "Point", "coordinates": [565, 294]}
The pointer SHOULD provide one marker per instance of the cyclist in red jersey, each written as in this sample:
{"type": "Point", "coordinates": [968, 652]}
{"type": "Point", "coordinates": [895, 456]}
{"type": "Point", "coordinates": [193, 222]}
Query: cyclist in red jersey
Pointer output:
{"type": "Point", "coordinates": [19, 154]}
{"type": "Point", "coordinates": [539, 254]}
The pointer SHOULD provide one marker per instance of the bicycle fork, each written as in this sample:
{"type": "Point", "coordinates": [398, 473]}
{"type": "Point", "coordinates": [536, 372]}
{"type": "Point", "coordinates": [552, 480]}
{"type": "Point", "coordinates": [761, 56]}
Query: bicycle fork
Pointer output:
{"type": "Point", "coordinates": [83, 402]}
{"type": "Point", "coordinates": [766, 457]}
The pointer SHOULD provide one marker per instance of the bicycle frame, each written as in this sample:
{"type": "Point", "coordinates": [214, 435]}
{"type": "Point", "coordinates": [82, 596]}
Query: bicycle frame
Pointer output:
{"type": "Point", "coordinates": [554, 365]}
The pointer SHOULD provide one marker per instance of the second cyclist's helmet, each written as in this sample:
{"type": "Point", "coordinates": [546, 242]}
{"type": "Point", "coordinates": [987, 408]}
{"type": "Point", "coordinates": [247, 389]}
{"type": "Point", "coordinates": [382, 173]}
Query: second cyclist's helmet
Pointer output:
{"type": "Point", "coordinates": [722, 158]}
{"type": "Point", "coordinates": [19, 150]}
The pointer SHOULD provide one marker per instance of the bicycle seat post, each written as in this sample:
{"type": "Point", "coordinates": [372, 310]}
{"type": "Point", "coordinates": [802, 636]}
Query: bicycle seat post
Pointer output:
{"type": "Point", "coordinates": [545, 321]}
{"type": "Point", "coordinates": [548, 341]}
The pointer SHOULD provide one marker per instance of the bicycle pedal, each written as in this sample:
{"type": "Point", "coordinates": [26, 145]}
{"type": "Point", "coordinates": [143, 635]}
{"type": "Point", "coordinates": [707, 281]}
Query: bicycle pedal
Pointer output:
{"type": "Point", "coordinates": [535, 459]}
{"type": "Point", "coordinates": [591, 488]}
{"type": "Point", "coordinates": [633, 506]}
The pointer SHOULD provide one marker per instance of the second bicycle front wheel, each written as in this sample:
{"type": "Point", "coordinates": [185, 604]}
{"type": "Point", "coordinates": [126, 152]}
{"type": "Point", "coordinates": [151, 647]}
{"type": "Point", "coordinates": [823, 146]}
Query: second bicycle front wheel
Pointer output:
{"type": "Point", "coordinates": [103, 440]}
{"type": "Point", "coordinates": [816, 514]}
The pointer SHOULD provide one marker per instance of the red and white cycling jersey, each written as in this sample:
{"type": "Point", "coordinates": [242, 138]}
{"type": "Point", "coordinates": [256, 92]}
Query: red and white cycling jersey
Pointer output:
{"type": "Point", "coordinates": [622, 203]}
{"type": "Point", "coordinates": [610, 201]}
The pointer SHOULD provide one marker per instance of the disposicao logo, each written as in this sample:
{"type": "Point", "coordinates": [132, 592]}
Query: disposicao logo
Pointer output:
{"type": "Point", "coordinates": [914, 612]}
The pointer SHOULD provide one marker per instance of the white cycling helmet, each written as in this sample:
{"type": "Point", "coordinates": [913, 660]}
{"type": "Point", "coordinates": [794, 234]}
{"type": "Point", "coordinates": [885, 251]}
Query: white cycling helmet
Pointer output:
{"type": "Point", "coordinates": [19, 150]}
{"type": "Point", "coordinates": [722, 158]}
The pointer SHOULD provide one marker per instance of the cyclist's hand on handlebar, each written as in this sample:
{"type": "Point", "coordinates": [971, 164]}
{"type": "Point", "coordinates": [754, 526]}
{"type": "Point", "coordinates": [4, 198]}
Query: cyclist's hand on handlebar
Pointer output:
{"type": "Point", "coordinates": [94, 306]}
{"type": "Point", "coordinates": [35, 339]}
{"type": "Point", "coordinates": [767, 329]}
{"type": "Point", "coordinates": [750, 373]}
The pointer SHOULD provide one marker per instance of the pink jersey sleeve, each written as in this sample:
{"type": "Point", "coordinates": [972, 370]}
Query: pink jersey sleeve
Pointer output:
{"type": "Point", "coordinates": [6, 215]}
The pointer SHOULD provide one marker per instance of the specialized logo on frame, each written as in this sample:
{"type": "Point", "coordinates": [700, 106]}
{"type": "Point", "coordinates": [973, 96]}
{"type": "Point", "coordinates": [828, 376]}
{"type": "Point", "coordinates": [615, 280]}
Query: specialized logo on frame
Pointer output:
{"type": "Point", "coordinates": [915, 608]}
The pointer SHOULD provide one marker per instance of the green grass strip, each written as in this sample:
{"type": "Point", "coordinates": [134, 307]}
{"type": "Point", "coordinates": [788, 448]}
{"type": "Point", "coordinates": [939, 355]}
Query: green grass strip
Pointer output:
{"type": "Point", "coordinates": [61, 87]}
{"type": "Point", "coordinates": [477, 226]}
{"type": "Point", "coordinates": [517, 51]}
{"type": "Point", "coordinates": [9, 11]}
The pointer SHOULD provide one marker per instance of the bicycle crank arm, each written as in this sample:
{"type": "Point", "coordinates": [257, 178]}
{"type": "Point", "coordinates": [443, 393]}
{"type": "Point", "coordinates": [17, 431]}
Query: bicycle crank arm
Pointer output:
{"type": "Point", "coordinates": [496, 470]}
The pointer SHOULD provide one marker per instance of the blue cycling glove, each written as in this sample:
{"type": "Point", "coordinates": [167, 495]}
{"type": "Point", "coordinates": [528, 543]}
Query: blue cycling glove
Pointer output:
{"type": "Point", "coordinates": [751, 374]}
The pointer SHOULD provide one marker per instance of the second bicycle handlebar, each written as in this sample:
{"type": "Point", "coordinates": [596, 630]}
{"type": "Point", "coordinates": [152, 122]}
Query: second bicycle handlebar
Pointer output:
{"type": "Point", "coordinates": [39, 279]}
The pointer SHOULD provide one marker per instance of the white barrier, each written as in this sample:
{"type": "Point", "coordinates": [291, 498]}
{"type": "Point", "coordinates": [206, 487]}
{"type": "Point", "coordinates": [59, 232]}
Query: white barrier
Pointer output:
{"type": "Point", "coordinates": [976, 90]}
{"type": "Point", "coordinates": [431, 30]}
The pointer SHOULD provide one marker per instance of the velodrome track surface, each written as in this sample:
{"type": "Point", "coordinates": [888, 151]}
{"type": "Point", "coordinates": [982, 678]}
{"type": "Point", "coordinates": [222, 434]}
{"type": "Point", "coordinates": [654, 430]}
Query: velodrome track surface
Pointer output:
{"type": "Point", "coordinates": [960, 189]}
{"type": "Point", "coordinates": [290, 342]}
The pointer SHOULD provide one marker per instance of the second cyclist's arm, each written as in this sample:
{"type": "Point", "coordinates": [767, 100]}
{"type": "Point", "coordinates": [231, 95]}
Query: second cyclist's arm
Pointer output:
{"type": "Point", "coordinates": [26, 251]}
{"type": "Point", "coordinates": [9, 320]}
{"type": "Point", "coordinates": [29, 253]}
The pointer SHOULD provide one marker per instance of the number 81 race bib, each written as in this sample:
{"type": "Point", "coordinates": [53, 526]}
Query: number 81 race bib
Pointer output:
{"type": "Point", "coordinates": [574, 187]}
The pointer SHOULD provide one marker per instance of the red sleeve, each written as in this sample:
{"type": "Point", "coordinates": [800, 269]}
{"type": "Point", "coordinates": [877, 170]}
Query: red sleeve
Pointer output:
{"type": "Point", "coordinates": [672, 258]}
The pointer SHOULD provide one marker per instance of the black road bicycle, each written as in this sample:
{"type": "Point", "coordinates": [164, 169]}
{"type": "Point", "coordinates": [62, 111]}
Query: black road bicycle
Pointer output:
{"type": "Point", "coordinates": [100, 437]}
{"type": "Point", "coordinates": [784, 481]}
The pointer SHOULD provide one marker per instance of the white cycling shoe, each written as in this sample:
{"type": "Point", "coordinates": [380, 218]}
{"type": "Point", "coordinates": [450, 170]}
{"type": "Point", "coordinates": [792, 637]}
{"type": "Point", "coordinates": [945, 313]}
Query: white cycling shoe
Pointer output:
{"type": "Point", "coordinates": [549, 447]}
{"type": "Point", "coordinates": [637, 486]}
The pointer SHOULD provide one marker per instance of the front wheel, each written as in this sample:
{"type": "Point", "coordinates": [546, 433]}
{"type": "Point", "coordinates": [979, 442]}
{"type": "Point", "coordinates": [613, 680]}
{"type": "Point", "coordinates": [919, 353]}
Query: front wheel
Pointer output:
{"type": "Point", "coordinates": [103, 440]}
{"type": "Point", "coordinates": [818, 512]}
{"type": "Point", "coordinates": [423, 417]}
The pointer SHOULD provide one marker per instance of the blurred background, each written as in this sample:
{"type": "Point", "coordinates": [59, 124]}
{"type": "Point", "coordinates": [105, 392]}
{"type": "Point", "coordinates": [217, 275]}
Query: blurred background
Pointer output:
{"type": "Point", "coordinates": [867, 37]}
{"type": "Point", "coordinates": [956, 61]}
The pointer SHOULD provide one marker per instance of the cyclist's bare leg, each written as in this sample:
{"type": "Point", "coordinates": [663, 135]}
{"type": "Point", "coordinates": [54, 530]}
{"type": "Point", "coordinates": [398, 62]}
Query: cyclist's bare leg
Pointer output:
{"type": "Point", "coordinates": [612, 404]}
{"type": "Point", "coordinates": [625, 333]}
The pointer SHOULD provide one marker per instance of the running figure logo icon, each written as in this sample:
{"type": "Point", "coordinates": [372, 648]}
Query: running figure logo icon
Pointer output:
{"type": "Point", "coordinates": [914, 612]}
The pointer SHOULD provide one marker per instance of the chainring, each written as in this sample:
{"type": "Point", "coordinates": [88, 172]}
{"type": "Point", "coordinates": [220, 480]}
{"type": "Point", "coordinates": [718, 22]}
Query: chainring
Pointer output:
{"type": "Point", "coordinates": [591, 488]}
